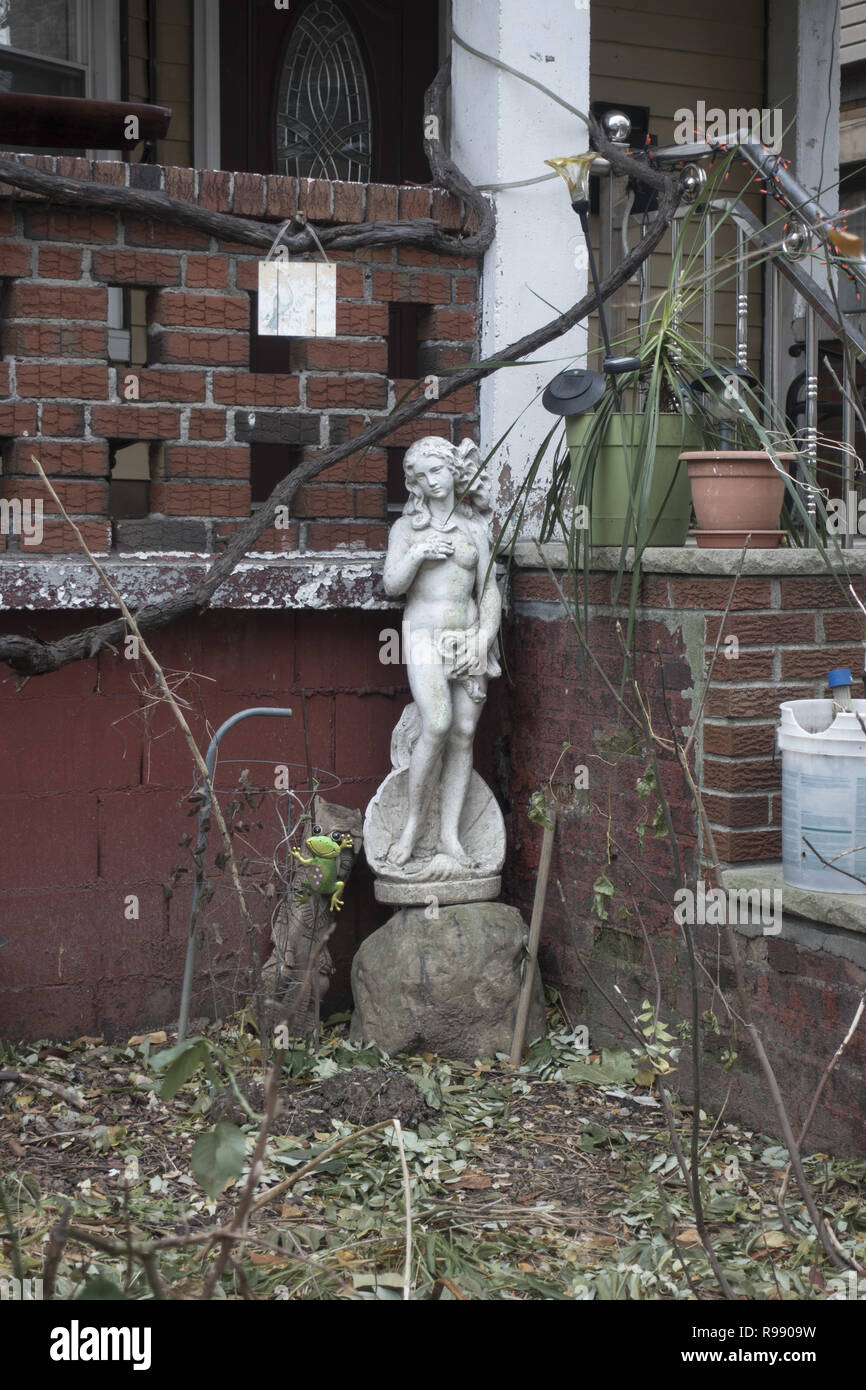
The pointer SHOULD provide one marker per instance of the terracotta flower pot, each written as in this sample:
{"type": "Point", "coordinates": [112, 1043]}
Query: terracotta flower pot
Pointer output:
{"type": "Point", "coordinates": [736, 490]}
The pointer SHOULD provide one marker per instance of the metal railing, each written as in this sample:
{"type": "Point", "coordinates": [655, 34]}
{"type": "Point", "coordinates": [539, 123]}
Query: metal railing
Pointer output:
{"type": "Point", "coordinates": [777, 251]}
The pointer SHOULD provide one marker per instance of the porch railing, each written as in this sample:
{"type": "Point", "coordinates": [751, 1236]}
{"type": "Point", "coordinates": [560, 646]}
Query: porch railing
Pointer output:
{"type": "Point", "coordinates": [756, 241]}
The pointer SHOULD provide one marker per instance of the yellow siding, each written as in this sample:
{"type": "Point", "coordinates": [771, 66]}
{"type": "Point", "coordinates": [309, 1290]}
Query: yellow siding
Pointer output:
{"type": "Point", "coordinates": [853, 31]}
{"type": "Point", "coordinates": [174, 63]}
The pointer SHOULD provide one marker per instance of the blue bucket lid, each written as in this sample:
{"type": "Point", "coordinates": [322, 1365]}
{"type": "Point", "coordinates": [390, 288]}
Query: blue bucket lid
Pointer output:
{"type": "Point", "coordinates": [839, 676]}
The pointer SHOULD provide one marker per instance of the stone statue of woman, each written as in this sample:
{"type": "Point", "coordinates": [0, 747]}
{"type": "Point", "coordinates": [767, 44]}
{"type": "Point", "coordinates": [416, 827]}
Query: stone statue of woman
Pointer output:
{"type": "Point", "coordinates": [438, 821]}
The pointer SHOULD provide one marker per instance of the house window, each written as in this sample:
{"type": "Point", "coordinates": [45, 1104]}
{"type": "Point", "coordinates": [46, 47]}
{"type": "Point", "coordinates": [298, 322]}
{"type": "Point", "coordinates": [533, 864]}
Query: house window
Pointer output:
{"type": "Point", "coordinates": [41, 48]}
{"type": "Point", "coordinates": [324, 120]}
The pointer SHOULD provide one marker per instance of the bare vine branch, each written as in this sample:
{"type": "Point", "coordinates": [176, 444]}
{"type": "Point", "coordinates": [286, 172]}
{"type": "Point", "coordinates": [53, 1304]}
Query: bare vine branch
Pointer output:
{"type": "Point", "coordinates": [30, 656]}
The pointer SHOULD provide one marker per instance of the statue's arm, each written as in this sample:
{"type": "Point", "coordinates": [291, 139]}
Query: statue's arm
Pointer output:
{"type": "Point", "coordinates": [489, 597]}
{"type": "Point", "coordinates": [400, 566]}
{"type": "Point", "coordinates": [406, 556]}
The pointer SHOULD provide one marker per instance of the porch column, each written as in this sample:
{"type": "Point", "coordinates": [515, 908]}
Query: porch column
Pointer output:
{"type": "Point", "coordinates": [502, 129]}
{"type": "Point", "coordinates": [803, 80]}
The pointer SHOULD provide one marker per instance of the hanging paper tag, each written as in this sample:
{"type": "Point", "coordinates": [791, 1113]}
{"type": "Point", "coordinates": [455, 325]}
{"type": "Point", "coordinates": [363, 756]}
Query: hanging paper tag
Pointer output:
{"type": "Point", "coordinates": [297, 299]}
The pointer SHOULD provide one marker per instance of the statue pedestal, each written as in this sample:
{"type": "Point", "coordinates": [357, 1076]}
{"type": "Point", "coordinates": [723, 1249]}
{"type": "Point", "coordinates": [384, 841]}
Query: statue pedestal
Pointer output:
{"type": "Point", "coordinates": [442, 891]}
{"type": "Point", "coordinates": [447, 984]}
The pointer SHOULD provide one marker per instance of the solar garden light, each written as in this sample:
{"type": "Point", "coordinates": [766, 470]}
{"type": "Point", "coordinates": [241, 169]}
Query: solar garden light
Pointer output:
{"type": "Point", "coordinates": [721, 386]}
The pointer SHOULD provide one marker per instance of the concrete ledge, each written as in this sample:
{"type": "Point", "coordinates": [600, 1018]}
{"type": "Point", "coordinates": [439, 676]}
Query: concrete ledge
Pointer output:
{"type": "Point", "coordinates": [831, 922]}
{"type": "Point", "coordinates": [690, 559]}
{"type": "Point", "coordinates": [847, 910]}
{"type": "Point", "coordinates": [339, 580]}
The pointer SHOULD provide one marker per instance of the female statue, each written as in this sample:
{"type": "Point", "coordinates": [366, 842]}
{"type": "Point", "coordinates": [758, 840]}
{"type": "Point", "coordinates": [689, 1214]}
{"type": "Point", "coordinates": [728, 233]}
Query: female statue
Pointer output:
{"type": "Point", "coordinates": [439, 557]}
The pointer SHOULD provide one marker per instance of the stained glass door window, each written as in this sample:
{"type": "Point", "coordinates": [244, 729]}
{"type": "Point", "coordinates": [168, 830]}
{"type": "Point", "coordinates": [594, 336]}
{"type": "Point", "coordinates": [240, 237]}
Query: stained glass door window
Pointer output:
{"type": "Point", "coordinates": [324, 120]}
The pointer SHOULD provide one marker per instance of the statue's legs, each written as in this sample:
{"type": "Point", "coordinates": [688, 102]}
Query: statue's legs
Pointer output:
{"type": "Point", "coordinates": [432, 696]}
{"type": "Point", "coordinates": [456, 771]}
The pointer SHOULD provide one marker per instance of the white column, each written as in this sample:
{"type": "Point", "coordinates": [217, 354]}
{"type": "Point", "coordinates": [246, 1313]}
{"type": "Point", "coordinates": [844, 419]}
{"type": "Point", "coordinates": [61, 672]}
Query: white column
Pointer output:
{"type": "Point", "coordinates": [803, 79]}
{"type": "Point", "coordinates": [502, 130]}
{"type": "Point", "coordinates": [206, 84]}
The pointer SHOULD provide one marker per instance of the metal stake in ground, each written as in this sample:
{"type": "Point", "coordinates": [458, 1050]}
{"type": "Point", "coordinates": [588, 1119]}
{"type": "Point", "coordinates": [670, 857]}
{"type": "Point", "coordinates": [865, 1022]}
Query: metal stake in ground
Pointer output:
{"type": "Point", "coordinates": [534, 937]}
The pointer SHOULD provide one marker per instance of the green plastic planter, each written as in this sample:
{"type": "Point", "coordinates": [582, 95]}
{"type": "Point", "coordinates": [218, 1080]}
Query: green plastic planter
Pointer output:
{"type": "Point", "coordinates": [669, 502]}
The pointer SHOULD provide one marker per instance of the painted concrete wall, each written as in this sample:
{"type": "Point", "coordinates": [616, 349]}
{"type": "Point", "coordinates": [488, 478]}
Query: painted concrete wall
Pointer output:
{"type": "Point", "coordinates": [94, 806]}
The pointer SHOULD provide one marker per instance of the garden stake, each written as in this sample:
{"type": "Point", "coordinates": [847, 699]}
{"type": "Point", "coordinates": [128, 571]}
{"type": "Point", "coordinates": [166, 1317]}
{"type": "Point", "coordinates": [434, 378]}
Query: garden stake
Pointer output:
{"type": "Point", "coordinates": [534, 934]}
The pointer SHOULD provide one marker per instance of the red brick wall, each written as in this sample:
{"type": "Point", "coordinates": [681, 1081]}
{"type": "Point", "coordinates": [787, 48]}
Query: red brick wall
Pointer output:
{"type": "Point", "coordinates": [62, 399]}
{"type": "Point", "coordinates": [790, 631]}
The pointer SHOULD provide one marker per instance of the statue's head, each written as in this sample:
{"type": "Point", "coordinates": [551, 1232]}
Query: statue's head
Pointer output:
{"type": "Point", "coordinates": [471, 486]}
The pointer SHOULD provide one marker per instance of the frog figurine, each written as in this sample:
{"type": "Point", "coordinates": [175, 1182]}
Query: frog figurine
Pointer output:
{"type": "Point", "coordinates": [323, 867]}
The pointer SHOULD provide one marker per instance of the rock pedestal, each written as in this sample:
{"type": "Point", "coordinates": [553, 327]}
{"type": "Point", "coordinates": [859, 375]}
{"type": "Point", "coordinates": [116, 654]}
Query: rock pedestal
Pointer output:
{"type": "Point", "coordinates": [447, 984]}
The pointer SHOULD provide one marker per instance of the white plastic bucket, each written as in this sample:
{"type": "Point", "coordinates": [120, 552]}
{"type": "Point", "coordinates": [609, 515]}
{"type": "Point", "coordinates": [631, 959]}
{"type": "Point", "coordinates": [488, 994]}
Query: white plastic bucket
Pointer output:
{"type": "Point", "coordinates": [823, 795]}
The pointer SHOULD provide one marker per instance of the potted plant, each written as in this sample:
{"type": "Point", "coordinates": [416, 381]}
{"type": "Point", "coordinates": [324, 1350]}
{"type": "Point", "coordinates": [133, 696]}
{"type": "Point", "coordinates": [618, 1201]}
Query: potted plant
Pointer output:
{"type": "Point", "coordinates": [626, 427]}
{"type": "Point", "coordinates": [619, 473]}
{"type": "Point", "coordinates": [624, 456]}
{"type": "Point", "coordinates": [737, 491]}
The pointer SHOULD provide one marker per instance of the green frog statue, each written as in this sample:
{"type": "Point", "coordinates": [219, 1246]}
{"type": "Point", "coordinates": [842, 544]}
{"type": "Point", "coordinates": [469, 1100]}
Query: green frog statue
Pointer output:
{"type": "Point", "coordinates": [324, 865]}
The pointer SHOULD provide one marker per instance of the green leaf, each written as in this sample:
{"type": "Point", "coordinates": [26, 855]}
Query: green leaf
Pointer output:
{"type": "Point", "coordinates": [537, 812]}
{"type": "Point", "coordinates": [602, 889]}
{"type": "Point", "coordinates": [372, 1281]}
{"type": "Point", "coordinates": [101, 1289]}
{"type": "Point", "coordinates": [616, 1066]}
{"type": "Point", "coordinates": [168, 1054]}
{"type": "Point", "coordinates": [181, 1069]}
{"type": "Point", "coordinates": [647, 784]}
{"type": "Point", "coordinates": [218, 1158]}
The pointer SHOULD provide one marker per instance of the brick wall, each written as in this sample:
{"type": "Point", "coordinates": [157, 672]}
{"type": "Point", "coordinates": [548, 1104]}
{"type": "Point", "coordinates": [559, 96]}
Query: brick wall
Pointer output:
{"type": "Point", "coordinates": [791, 630]}
{"type": "Point", "coordinates": [198, 403]}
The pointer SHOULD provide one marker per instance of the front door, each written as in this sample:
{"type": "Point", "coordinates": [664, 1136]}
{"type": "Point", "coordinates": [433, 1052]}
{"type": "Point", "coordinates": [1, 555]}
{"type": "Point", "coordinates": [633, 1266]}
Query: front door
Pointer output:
{"type": "Point", "coordinates": [329, 89]}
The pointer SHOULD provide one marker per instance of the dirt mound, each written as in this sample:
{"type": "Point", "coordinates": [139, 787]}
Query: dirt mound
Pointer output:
{"type": "Point", "coordinates": [361, 1096]}
{"type": "Point", "coordinates": [365, 1097]}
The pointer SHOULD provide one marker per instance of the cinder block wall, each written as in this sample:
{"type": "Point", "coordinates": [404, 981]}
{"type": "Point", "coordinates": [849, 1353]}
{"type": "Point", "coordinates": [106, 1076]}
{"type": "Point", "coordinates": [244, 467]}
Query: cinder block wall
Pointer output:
{"type": "Point", "coordinates": [199, 405]}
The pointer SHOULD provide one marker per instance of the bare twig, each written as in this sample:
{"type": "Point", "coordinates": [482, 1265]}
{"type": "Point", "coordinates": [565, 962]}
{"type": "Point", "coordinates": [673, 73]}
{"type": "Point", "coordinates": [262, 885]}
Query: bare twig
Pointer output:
{"type": "Point", "coordinates": [691, 1176]}
{"type": "Point", "coordinates": [29, 1078]}
{"type": "Point", "coordinates": [525, 998]}
{"type": "Point", "coordinates": [831, 863]}
{"type": "Point", "coordinates": [757, 1041]}
{"type": "Point", "coordinates": [302, 1172]}
{"type": "Point", "coordinates": [244, 1205]}
{"type": "Point", "coordinates": [654, 742]}
{"type": "Point", "coordinates": [709, 675]}
{"type": "Point", "coordinates": [819, 1091]}
{"type": "Point", "coordinates": [54, 1251]}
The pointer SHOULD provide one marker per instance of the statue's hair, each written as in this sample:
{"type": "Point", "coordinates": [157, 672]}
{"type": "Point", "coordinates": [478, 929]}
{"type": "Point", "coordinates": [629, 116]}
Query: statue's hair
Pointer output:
{"type": "Point", "coordinates": [471, 485]}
